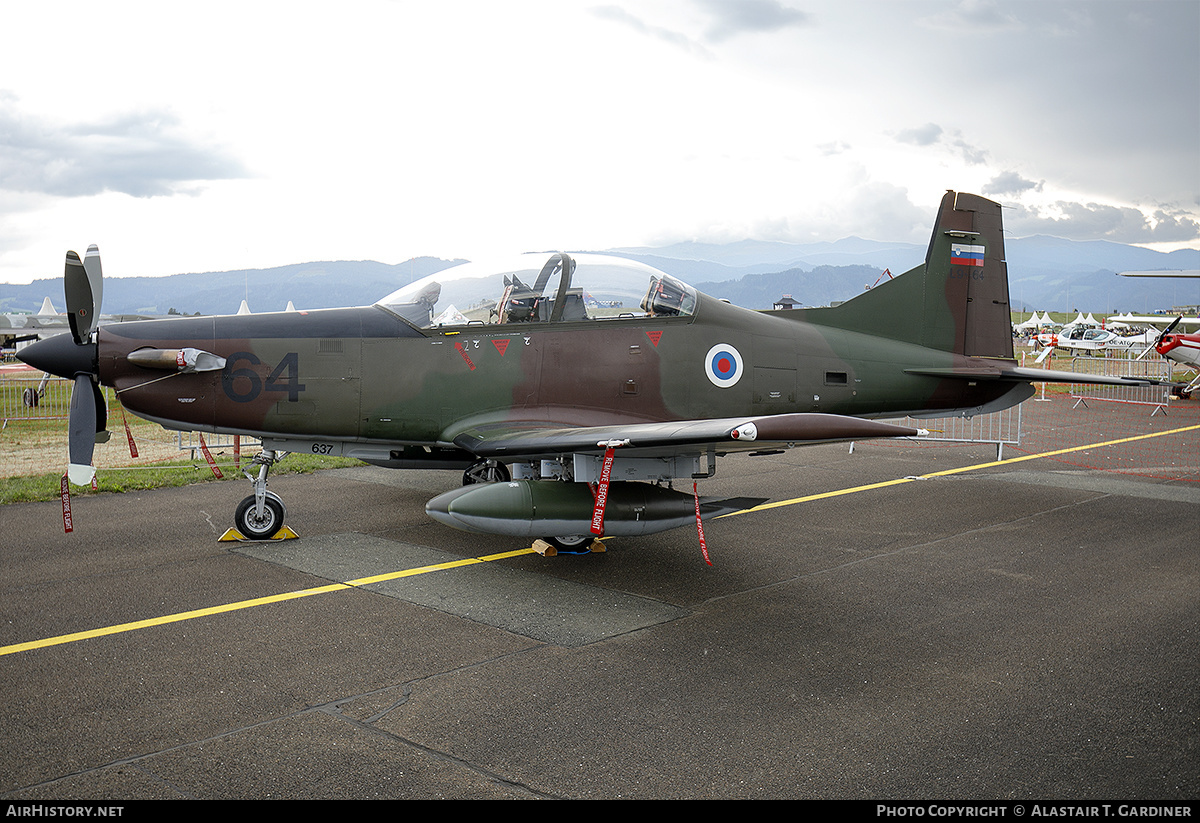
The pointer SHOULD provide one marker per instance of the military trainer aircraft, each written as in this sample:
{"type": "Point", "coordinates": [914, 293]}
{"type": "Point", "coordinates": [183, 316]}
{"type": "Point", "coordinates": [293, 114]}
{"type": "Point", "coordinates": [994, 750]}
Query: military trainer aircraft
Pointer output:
{"type": "Point", "coordinates": [572, 390]}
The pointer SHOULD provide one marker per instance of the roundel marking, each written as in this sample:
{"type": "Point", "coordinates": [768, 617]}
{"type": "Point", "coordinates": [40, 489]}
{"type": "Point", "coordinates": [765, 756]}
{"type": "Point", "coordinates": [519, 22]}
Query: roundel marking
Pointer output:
{"type": "Point", "coordinates": [723, 365]}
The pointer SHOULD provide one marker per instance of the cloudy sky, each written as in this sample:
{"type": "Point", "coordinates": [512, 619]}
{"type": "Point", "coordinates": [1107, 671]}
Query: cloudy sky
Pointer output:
{"type": "Point", "coordinates": [199, 137]}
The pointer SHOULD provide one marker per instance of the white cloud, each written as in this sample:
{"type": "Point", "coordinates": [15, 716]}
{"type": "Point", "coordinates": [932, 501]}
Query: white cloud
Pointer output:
{"type": "Point", "coordinates": [1097, 221]}
{"type": "Point", "coordinates": [143, 154]}
{"type": "Point", "coordinates": [1010, 183]}
{"type": "Point", "coordinates": [736, 17]}
{"type": "Point", "coordinates": [974, 17]}
{"type": "Point", "coordinates": [388, 130]}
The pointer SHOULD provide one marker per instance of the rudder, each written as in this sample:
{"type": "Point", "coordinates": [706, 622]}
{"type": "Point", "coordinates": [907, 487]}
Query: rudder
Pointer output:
{"type": "Point", "coordinates": [966, 280]}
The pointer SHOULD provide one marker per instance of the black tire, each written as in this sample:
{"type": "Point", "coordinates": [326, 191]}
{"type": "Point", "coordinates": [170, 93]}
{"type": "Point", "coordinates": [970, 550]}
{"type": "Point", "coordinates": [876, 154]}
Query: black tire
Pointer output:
{"type": "Point", "coordinates": [257, 528]}
{"type": "Point", "coordinates": [571, 543]}
{"type": "Point", "coordinates": [486, 471]}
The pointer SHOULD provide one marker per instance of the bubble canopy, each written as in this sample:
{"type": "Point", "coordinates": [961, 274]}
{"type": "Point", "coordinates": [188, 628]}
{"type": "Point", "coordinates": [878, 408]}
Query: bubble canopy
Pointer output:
{"type": "Point", "coordinates": [541, 288]}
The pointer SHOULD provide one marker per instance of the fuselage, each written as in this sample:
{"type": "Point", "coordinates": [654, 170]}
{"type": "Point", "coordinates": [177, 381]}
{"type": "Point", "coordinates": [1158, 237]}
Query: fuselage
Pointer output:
{"type": "Point", "coordinates": [1182, 348]}
{"type": "Point", "coordinates": [365, 374]}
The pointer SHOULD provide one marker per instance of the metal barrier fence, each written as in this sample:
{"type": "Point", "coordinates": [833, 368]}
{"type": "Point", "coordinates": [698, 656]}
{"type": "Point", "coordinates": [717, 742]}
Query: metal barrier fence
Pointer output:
{"type": "Point", "coordinates": [1002, 428]}
{"type": "Point", "coordinates": [1158, 398]}
{"type": "Point", "coordinates": [26, 399]}
{"type": "Point", "coordinates": [37, 398]}
{"type": "Point", "coordinates": [190, 441]}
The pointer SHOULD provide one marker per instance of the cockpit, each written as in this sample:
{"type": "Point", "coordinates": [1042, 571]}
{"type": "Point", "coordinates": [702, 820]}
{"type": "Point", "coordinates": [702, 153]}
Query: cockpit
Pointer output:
{"type": "Point", "coordinates": [541, 288]}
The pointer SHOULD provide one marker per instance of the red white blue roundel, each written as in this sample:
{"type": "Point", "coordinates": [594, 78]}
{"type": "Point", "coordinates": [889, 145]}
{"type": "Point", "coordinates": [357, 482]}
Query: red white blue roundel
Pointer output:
{"type": "Point", "coordinates": [723, 365]}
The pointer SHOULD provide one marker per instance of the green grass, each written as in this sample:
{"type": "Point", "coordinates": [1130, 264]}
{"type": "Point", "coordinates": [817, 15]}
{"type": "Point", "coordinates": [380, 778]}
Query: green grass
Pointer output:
{"type": "Point", "coordinates": [40, 433]}
{"type": "Point", "coordinates": [43, 487]}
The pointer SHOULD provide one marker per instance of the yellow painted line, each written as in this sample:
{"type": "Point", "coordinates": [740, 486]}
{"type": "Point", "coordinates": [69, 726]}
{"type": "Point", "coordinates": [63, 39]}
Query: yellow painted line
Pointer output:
{"type": "Point", "coordinates": [247, 604]}
{"type": "Point", "coordinates": [454, 564]}
{"type": "Point", "coordinates": [1057, 452]}
{"type": "Point", "coordinates": [839, 492]}
{"type": "Point", "coordinates": [470, 561]}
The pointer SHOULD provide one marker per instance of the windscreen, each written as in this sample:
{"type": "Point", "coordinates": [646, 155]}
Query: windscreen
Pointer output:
{"type": "Point", "coordinates": [541, 288]}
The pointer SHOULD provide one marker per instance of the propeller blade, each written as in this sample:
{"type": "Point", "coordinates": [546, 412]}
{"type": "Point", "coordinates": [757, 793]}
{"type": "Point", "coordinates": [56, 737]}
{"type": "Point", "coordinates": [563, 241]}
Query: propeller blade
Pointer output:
{"type": "Point", "coordinates": [83, 285]}
{"type": "Point", "coordinates": [1044, 354]}
{"type": "Point", "coordinates": [91, 265]}
{"type": "Point", "coordinates": [1167, 331]}
{"type": "Point", "coordinates": [89, 416]}
{"type": "Point", "coordinates": [101, 413]}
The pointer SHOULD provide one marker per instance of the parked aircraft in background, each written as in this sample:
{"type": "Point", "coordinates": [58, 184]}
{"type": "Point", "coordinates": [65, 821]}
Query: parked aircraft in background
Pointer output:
{"type": "Point", "coordinates": [1183, 349]}
{"type": "Point", "coordinates": [1083, 338]}
{"type": "Point", "coordinates": [22, 328]}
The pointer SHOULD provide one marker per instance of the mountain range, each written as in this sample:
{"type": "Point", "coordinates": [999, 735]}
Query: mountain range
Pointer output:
{"type": "Point", "coordinates": [1045, 274]}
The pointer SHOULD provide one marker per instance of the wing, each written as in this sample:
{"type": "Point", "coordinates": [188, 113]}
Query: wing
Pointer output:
{"type": "Point", "coordinates": [533, 439]}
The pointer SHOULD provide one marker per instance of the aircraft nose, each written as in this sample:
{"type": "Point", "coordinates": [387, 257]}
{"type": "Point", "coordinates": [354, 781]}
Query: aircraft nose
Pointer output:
{"type": "Point", "coordinates": [61, 356]}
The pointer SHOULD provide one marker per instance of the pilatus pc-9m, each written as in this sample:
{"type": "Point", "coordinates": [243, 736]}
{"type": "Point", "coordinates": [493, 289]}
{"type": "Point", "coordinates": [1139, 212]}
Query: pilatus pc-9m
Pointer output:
{"type": "Point", "coordinates": [571, 390]}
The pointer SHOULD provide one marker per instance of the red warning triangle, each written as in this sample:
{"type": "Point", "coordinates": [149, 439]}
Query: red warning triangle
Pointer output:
{"type": "Point", "coordinates": [654, 335]}
{"type": "Point", "coordinates": [501, 345]}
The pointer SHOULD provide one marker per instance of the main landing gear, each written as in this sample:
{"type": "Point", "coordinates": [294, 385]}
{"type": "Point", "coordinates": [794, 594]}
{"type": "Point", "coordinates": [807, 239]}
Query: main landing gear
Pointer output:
{"type": "Point", "coordinates": [486, 471]}
{"type": "Point", "coordinates": [260, 515]}
{"type": "Point", "coordinates": [571, 543]}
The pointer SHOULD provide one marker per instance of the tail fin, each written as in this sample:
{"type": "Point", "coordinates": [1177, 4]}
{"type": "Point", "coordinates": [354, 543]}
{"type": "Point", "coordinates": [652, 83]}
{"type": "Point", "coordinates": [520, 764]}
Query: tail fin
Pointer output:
{"type": "Point", "coordinates": [957, 302]}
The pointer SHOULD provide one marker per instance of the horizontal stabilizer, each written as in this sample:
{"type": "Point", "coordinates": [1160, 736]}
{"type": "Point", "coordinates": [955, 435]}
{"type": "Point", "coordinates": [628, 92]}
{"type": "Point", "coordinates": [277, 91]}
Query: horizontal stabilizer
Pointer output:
{"type": "Point", "coordinates": [1023, 375]}
{"type": "Point", "coordinates": [1051, 376]}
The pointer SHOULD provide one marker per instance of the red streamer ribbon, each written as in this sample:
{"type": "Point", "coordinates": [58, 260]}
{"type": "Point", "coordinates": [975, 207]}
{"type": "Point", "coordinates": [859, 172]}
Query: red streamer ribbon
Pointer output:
{"type": "Point", "coordinates": [65, 490]}
{"type": "Point", "coordinates": [129, 435]}
{"type": "Point", "coordinates": [602, 493]}
{"type": "Point", "coordinates": [700, 525]}
{"type": "Point", "coordinates": [212, 464]}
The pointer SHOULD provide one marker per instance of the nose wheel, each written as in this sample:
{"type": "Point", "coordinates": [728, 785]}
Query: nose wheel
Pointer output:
{"type": "Point", "coordinates": [259, 524]}
{"type": "Point", "coordinates": [260, 516]}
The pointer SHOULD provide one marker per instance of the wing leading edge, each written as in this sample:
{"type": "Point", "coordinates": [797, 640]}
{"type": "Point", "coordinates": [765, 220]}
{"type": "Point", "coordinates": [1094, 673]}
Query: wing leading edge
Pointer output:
{"type": "Point", "coordinates": [517, 440]}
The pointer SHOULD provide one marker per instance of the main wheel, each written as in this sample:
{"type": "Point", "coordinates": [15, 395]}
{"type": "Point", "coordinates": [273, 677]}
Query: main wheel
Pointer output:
{"type": "Point", "coordinates": [255, 527]}
{"type": "Point", "coordinates": [571, 543]}
{"type": "Point", "coordinates": [486, 471]}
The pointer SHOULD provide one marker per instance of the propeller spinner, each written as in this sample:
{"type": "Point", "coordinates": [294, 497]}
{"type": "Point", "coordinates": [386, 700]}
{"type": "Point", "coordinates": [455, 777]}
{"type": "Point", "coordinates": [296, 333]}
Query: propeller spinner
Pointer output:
{"type": "Point", "coordinates": [1158, 341]}
{"type": "Point", "coordinates": [1167, 331]}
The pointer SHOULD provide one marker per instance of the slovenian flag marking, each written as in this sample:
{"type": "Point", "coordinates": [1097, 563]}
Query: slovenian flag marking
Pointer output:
{"type": "Point", "coordinates": [964, 255]}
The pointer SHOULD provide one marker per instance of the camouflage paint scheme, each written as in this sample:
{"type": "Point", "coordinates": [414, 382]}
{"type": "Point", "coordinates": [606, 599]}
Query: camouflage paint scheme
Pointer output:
{"type": "Point", "coordinates": [366, 383]}
{"type": "Point", "coordinates": [361, 373]}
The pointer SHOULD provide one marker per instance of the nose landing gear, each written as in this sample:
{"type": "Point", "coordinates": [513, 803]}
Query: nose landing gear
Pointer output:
{"type": "Point", "coordinates": [260, 516]}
